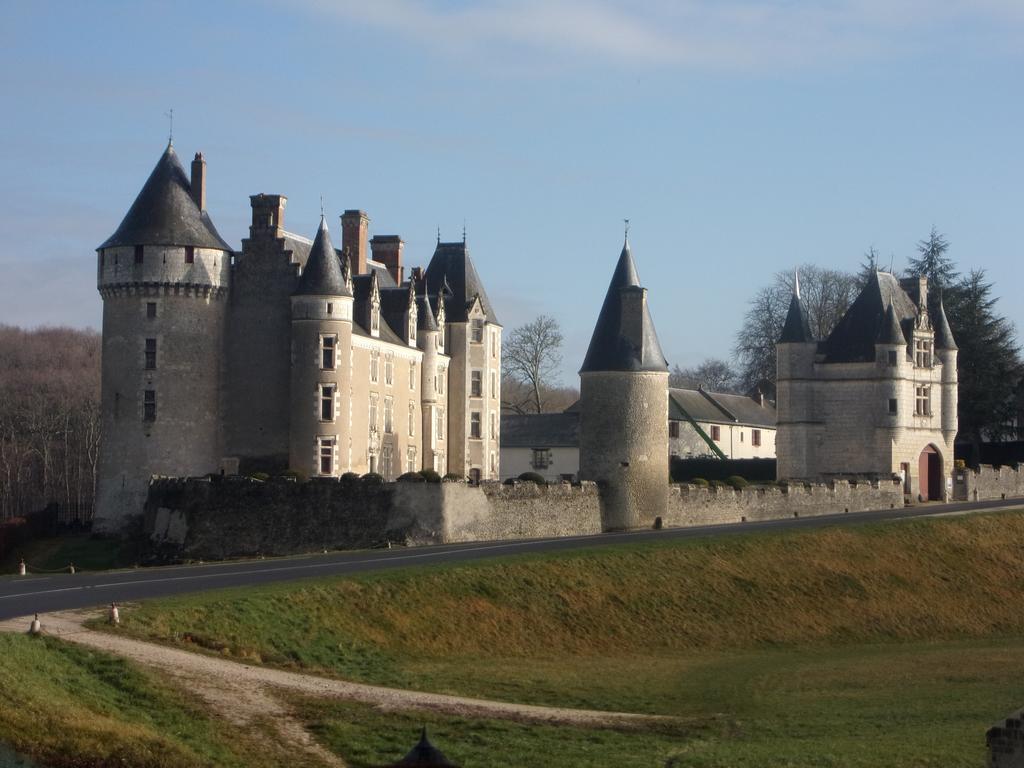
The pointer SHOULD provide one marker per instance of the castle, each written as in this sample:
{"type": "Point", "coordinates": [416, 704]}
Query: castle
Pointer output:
{"type": "Point", "coordinates": [286, 354]}
{"type": "Point", "coordinates": [877, 397]}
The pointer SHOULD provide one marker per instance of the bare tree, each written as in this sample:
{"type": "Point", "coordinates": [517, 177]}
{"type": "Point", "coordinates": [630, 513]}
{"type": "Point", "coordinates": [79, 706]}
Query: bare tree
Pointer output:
{"type": "Point", "coordinates": [531, 357]}
{"type": "Point", "coordinates": [826, 295]}
{"type": "Point", "coordinates": [712, 374]}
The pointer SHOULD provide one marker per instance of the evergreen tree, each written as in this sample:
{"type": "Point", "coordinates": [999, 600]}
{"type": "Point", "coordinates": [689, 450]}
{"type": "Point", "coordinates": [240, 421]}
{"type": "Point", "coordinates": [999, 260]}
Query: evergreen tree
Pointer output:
{"type": "Point", "coordinates": [867, 267]}
{"type": "Point", "coordinates": [933, 263]}
{"type": "Point", "coordinates": [988, 365]}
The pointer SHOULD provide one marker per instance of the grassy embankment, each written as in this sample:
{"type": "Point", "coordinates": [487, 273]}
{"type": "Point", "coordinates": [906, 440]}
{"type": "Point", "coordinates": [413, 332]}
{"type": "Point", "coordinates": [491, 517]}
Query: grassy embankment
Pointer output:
{"type": "Point", "coordinates": [892, 644]}
{"type": "Point", "coordinates": [64, 706]}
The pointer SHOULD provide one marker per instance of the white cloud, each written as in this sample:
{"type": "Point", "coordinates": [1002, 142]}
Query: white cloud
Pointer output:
{"type": "Point", "coordinates": [705, 33]}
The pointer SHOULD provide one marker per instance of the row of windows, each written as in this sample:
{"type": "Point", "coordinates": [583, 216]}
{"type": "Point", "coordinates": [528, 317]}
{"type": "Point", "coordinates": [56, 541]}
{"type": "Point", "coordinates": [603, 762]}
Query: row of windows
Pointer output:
{"type": "Point", "coordinates": [476, 383]}
{"type": "Point", "coordinates": [922, 355]}
{"type": "Point", "coordinates": [716, 433]}
{"type": "Point", "coordinates": [190, 256]}
{"type": "Point", "coordinates": [327, 452]}
{"type": "Point", "coordinates": [922, 401]}
{"type": "Point", "coordinates": [476, 335]}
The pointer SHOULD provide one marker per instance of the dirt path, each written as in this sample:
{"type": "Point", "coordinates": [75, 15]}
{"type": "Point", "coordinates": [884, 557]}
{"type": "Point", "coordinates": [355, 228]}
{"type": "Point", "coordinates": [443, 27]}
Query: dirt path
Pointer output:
{"type": "Point", "coordinates": [243, 693]}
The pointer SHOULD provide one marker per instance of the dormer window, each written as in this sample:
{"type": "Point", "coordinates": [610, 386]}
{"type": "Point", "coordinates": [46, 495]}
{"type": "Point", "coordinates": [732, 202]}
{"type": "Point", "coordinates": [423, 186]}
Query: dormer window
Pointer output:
{"type": "Point", "coordinates": [477, 334]}
{"type": "Point", "coordinates": [375, 320]}
{"type": "Point", "coordinates": [923, 353]}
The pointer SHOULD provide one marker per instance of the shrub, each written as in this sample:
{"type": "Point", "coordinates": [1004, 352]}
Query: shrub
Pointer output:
{"type": "Point", "coordinates": [349, 477]}
{"type": "Point", "coordinates": [737, 482]}
{"type": "Point", "coordinates": [430, 476]}
{"type": "Point", "coordinates": [261, 477]}
{"type": "Point", "coordinates": [700, 482]}
{"type": "Point", "coordinates": [451, 477]}
{"type": "Point", "coordinates": [294, 474]}
{"type": "Point", "coordinates": [718, 484]}
{"type": "Point", "coordinates": [372, 478]}
{"type": "Point", "coordinates": [412, 477]}
{"type": "Point", "coordinates": [533, 477]}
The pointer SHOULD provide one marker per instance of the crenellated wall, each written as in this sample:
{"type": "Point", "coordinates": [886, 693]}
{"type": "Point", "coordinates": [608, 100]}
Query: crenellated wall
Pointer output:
{"type": "Point", "coordinates": [988, 483]}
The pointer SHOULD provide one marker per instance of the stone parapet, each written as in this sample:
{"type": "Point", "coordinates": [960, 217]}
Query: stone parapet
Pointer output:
{"type": "Point", "coordinates": [988, 482]}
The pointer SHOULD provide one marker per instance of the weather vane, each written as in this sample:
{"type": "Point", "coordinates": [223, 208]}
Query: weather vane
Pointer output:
{"type": "Point", "coordinates": [170, 127]}
{"type": "Point", "coordinates": [438, 235]}
{"type": "Point", "coordinates": [321, 206]}
{"type": "Point", "coordinates": [626, 221]}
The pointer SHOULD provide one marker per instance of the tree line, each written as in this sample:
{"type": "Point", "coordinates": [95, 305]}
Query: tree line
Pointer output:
{"type": "Point", "coordinates": [49, 418]}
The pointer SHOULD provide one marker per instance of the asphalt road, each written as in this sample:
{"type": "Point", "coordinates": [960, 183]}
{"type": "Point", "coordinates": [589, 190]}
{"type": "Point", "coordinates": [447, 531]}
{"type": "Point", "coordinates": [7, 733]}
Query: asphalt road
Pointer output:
{"type": "Point", "coordinates": [23, 595]}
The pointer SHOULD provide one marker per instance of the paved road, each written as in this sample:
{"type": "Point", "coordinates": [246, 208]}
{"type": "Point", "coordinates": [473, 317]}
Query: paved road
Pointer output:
{"type": "Point", "coordinates": [20, 596]}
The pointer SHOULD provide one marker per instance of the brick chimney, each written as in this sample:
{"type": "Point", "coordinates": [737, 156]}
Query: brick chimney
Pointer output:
{"type": "Point", "coordinates": [355, 228]}
{"type": "Point", "coordinates": [199, 181]}
{"type": "Point", "coordinates": [387, 250]}
{"type": "Point", "coordinates": [267, 215]}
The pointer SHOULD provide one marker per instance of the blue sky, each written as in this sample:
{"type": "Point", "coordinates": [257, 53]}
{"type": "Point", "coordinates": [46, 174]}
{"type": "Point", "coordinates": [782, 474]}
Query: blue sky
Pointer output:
{"type": "Point", "coordinates": [740, 138]}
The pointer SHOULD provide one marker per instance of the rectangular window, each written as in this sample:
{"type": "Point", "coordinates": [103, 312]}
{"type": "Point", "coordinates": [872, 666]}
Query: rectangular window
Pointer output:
{"type": "Point", "coordinates": [440, 424]}
{"type": "Point", "coordinates": [412, 375]}
{"type": "Point", "coordinates": [385, 463]}
{"type": "Point", "coordinates": [494, 384]}
{"type": "Point", "coordinates": [374, 366]}
{"type": "Point", "coordinates": [327, 455]}
{"type": "Point", "coordinates": [150, 354]}
{"type": "Point", "coordinates": [923, 406]}
{"type": "Point", "coordinates": [389, 369]}
{"type": "Point", "coordinates": [755, 437]}
{"type": "Point", "coordinates": [494, 464]}
{"type": "Point", "coordinates": [190, 254]}
{"type": "Point", "coordinates": [541, 458]}
{"type": "Point", "coordinates": [474, 424]}
{"type": "Point", "coordinates": [330, 307]}
{"type": "Point", "coordinates": [138, 254]}
{"type": "Point", "coordinates": [476, 384]}
{"type": "Point", "coordinates": [923, 353]}
{"type": "Point", "coordinates": [673, 429]}
{"type": "Point", "coordinates": [389, 415]}
{"type": "Point", "coordinates": [494, 425]}
{"type": "Point", "coordinates": [374, 320]}
{"type": "Point", "coordinates": [327, 402]}
{"type": "Point", "coordinates": [494, 343]}
{"type": "Point", "coordinates": [716, 433]}
{"type": "Point", "coordinates": [149, 405]}
{"type": "Point", "coordinates": [373, 411]}
{"type": "Point", "coordinates": [327, 347]}
{"type": "Point", "coordinates": [412, 419]}
{"type": "Point", "coordinates": [892, 358]}
{"type": "Point", "coordinates": [410, 460]}
{"type": "Point", "coordinates": [892, 405]}
{"type": "Point", "coordinates": [440, 379]}
{"type": "Point", "coordinates": [741, 435]}
{"type": "Point", "coordinates": [151, 310]}
{"type": "Point", "coordinates": [477, 334]}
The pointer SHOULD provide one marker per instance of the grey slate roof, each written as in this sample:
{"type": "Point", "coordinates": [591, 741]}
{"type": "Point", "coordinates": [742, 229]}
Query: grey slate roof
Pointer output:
{"type": "Point", "coordinates": [890, 331]}
{"type": "Point", "coordinates": [451, 263]}
{"type": "Point", "coordinates": [321, 275]}
{"type": "Point", "coordinates": [426, 319]}
{"type": "Point", "coordinates": [540, 430]}
{"type": "Point", "coordinates": [719, 408]}
{"type": "Point", "coordinates": [164, 212]}
{"type": "Point", "coordinates": [853, 338]}
{"type": "Point", "coordinates": [943, 333]}
{"type": "Point", "coordinates": [797, 329]}
{"type": "Point", "coordinates": [609, 348]}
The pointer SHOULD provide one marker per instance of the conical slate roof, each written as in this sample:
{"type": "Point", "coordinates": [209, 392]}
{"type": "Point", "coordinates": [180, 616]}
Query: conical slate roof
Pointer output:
{"type": "Point", "coordinates": [610, 348]}
{"type": "Point", "coordinates": [425, 755]}
{"type": "Point", "coordinates": [943, 333]}
{"type": "Point", "coordinates": [425, 319]}
{"type": "Point", "coordinates": [322, 274]}
{"type": "Point", "coordinates": [797, 329]}
{"type": "Point", "coordinates": [891, 332]}
{"type": "Point", "coordinates": [854, 337]}
{"type": "Point", "coordinates": [164, 212]}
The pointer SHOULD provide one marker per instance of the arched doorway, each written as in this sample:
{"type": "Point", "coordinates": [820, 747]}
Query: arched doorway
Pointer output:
{"type": "Point", "coordinates": [929, 474]}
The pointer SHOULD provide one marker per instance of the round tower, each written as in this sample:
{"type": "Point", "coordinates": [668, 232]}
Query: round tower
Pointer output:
{"type": "Point", "coordinates": [794, 391]}
{"type": "Point", "coordinates": [321, 369]}
{"type": "Point", "coordinates": [164, 277]}
{"type": "Point", "coordinates": [946, 350]}
{"type": "Point", "coordinates": [624, 406]}
{"type": "Point", "coordinates": [430, 339]}
{"type": "Point", "coordinates": [893, 364]}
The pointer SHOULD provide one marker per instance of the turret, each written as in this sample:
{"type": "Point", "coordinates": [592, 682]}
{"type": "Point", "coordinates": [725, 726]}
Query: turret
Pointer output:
{"type": "Point", "coordinates": [624, 406]}
{"type": "Point", "coordinates": [946, 351]}
{"type": "Point", "coordinates": [433, 382]}
{"type": "Point", "coordinates": [321, 373]}
{"type": "Point", "coordinates": [164, 277]}
{"type": "Point", "coordinates": [795, 352]}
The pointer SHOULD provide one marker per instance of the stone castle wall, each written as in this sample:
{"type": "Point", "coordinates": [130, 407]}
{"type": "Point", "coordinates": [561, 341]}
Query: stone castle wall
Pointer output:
{"type": "Point", "coordinates": [237, 517]}
{"type": "Point", "coordinates": [987, 483]}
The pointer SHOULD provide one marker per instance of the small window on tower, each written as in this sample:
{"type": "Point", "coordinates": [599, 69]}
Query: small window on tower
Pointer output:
{"type": "Point", "coordinates": [190, 254]}
{"type": "Point", "coordinates": [138, 254]}
{"type": "Point", "coordinates": [474, 425]}
{"type": "Point", "coordinates": [326, 402]}
{"type": "Point", "coordinates": [330, 307]}
{"type": "Point", "coordinates": [150, 354]}
{"type": "Point", "coordinates": [149, 405]}
{"type": "Point", "coordinates": [151, 310]}
{"type": "Point", "coordinates": [892, 358]}
{"type": "Point", "coordinates": [327, 348]}
{"type": "Point", "coordinates": [892, 405]}
{"type": "Point", "coordinates": [327, 456]}
{"type": "Point", "coordinates": [476, 384]}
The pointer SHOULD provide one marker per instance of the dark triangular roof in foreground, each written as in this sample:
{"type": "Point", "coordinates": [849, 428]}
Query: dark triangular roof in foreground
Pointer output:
{"type": "Point", "coordinates": [797, 329]}
{"type": "Point", "coordinates": [854, 337]}
{"type": "Point", "coordinates": [451, 268]}
{"type": "Point", "coordinates": [322, 276]}
{"type": "Point", "coordinates": [610, 349]}
{"type": "Point", "coordinates": [164, 212]}
{"type": "Point", "coordinates": [424, 755]}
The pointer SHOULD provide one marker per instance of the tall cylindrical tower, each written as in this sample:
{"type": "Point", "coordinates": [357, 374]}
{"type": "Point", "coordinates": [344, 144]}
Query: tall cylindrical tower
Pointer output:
{"type": "Point", "coordinates": [321, 364]}
{"type": "Point", "coordinates": [163, 276]}
{"type": "Point", "coordinates": [794, 392]}
{"type": "Point", "coordinates": [429, 338]}
{"type": "Point", "coordinates": [946, 350]}
{"type": "Point", "coordinates": [624, 406]}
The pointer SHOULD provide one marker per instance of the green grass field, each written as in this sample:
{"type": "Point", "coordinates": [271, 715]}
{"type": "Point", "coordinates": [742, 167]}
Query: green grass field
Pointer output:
{"type": "Point", "coordinates": [876, 645]}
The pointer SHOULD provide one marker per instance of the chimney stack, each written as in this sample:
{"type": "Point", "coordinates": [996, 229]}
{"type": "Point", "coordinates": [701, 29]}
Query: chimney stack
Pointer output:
{"type": "Point", "coordinates": [199, 181]}
{"type": "Point", "coordinates": [355, 228]}
{"type": "Point", "coordinates": [267, 215]}
{"type": "Point", "coordinates": [387, 250]}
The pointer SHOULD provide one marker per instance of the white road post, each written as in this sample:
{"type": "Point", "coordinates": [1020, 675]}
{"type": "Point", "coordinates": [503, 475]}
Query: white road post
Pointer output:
{"type": "Point", "coordinates": [35, 628]}
{"type": "Point", "coordinates": [21, 567]}
{"type": "Point", "coordinates": [114, 617]}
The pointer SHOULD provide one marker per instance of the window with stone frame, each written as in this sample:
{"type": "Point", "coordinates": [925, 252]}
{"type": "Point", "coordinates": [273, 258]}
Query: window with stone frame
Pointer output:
{"type": "Point", "coordinates": [494, 426]}
{"type": "Point", "coordinates": [328, 352]}
{"type": "Point", "coordinates": [476, 383]}
{"type": "Point", "coordinates": [375, 320]}
{"type": "Point", "coordinates": [190, 254]}
{"type": "Point", "coordinates": [716, 432]}
{"type": "Point", "coordinates": [439, 428]}
{"type": "Point", "coordinates": [541, 458]}
{"type": "Point", "coordinates": [440, 379]}
{"type": "Point", "coordinates": [374, 400]}
{"type": "Point", "coordinates": [893, 358]}
{"type": "Point", "coordinates": [327, 402]}
{"type": "Point", "coordinates": [326, 453]}
{"type": "Point", "coordinates": [385, 463]}
{"type": "Point", "coordinates": [673, 429]}
{"type": "Point", "coordinates": [389, 369]}
{"type": "Point", "coordinates": [412, 419]}
{"type": "Point", "coordinates": [494, 343]}
{"type": "Point", "coordinates": [412, 375]}
{"type": "Point", "coordinates": [477, 330]}
{"type": "Point", "coordinates": [410, 459]}
{"type": "Point", "coordinates": [150, 354]}
{"type": "Point", "coordinates": [893, 405]}
{"type": "Point", "coordinates": [494, 384]}
{"type": "Point", "coordinates": [374, 366]}
{"type": "Point", "coordinates": [149, 405]}
{"type": "Point", "coordinates": [475, 425]}
{"type": "Point", "coordinates": [494, 463]}
{"type": "Point", "coordinates": [389, 415]}
{"type": "Point", "coordinates": [923, 400]}
{"type": "Point", "coordinates": [755, 437]}
{"type": "Point", "coordinates": [922, 353]}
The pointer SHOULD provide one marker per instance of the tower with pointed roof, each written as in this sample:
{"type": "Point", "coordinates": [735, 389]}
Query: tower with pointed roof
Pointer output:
{"type": "Point", "coordinates": [321, 376]}
{"type": "Point", "coordinates": [878, 397]}
{"type": "Point", "coordinates": [624, 405]}
{"type": "Point", "coordinates": [163, 276]}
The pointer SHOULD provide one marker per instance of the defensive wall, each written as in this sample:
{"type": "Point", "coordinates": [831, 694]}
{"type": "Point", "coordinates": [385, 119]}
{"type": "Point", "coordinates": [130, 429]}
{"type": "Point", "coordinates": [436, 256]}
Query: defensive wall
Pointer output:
{"type": "Point", "coordinates": [988, 483]}
{"type": "Point", "coordinates": [234, 517]}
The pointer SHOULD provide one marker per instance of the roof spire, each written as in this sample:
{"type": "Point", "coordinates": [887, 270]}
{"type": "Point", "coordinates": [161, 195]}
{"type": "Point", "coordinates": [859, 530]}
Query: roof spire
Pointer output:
{"type": "Point", "coordinates": [625, 238]}
{"type": "Point", "coordinates": [796, 282]}
{"type": "Point", "coordinates": [438, 235]}
{"type": "Point", "coordinates": [169, 114]}
{"type": "Point", "coordinates": [463, 231]}
{"type": "Point", "coordinates": [321, 207]}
